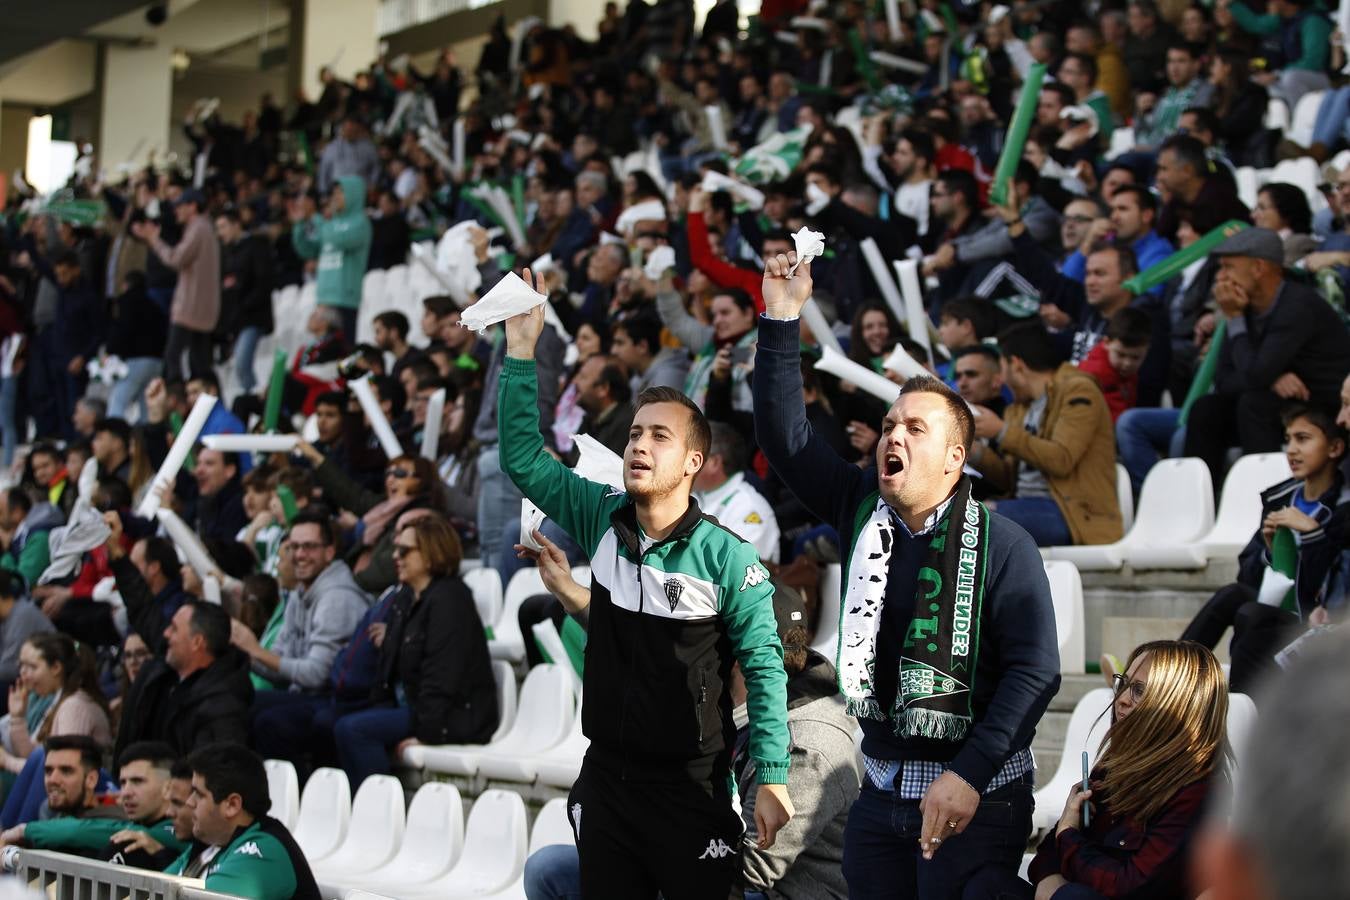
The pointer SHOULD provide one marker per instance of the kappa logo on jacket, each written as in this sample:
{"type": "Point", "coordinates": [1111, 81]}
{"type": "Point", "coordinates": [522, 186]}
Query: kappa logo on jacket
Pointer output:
{"type": "Point", "coordinates": [250, 849]}
{"type": "Point", "coordinates": [755, 575]}
{"type": "Point", "coordinates": [717, 849]}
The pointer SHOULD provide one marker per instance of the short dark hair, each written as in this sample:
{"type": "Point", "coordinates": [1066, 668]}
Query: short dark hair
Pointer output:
{"type": "Point", "coordinates": [613, 377]}
{"type": "Point", "coordinates": [157, 753]}
{"type": "Point", "coordinates": [742, 299]}
{"type": "Point", "coordinates": [18, 498]}
{"type": "Point", "coordinates": [91, 754]}
{"type": "Point", "coordinates": [161, 550]}
{"type": "Point", "coordinates": [642, 329]}
{"type": "Point", "coordinates": [327, 533]}
{"type": "Point", "coordinates": [227, 769]}
{"type": "Point", "coordinates": [440, 305]}
{"type": "Point", "coordinates": [1194, 51]}
{"type": "Point", "coordinates": [699, 434]}
{"type": "Point", "coordinates": [181, 771]}
{"type": "Point", "coordinates": [1189, 151]}
{"type": "Point", "coordinates": [206, 377]}
{"type": "Point", "coordinates": [970, 308]}
{"type": "Point", "coordinates": [1318, 417]}
{"type": "Point", "coordinates": [921, 142]}
{"type": "Point", "coordinates": [1087, 62]}
{"type": "Point", "coordinates": [1032, 344]}
{"type": "Point", "coordinates": [986, 351]}
{"type": "Point", "coordinates": [1142, 196]}
{"type": "Point", "coordinates": [1125, 258]}
{"type": "Point", "coordinates": [118, 428]}
{"type": "Point", "coordinates": [1208, 118]}
{"type": "Point", "coordinates": [395, 321]}
{"type": "Point", "coordinates": [727, 443]}
{"type": "Point", "coordinates": [66, 258]}
{"type": "Point", "coordinates": [11, 585]}
{"type": "Point", "coordinates": [1066, 95]}
{"type": "Point", "coordinates": [962, 430]}
{"type": "Point", "coordinates": [1131, 327]}
{"type": "Point", "coordinates": [213, 624]}
{"type": "Point", "coordinates": [959, 181]}
{"type": "Point", "coordinates": [332, 398]}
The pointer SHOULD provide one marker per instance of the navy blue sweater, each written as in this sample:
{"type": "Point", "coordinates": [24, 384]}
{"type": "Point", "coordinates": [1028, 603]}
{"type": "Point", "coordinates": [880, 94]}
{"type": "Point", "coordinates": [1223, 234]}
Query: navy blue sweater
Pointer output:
{"type": "Point", "coordinates": [1018, 668]}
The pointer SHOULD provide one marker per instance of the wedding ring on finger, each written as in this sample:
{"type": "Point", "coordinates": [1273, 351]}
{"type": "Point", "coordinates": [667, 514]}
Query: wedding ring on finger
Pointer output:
{"type": "Point", "coordinates": [952, 823]}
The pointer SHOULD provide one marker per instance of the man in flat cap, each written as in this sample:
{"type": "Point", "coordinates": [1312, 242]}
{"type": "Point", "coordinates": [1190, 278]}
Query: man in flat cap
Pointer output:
{"type": "Point", "coordinates": [1283, 344]}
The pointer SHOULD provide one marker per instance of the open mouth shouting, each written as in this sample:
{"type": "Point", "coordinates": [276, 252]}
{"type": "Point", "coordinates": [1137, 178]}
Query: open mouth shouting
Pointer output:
{"type": "Point", "coordinates": [637, 468]}
{"type": "Point", "coordinates": [892, 465]}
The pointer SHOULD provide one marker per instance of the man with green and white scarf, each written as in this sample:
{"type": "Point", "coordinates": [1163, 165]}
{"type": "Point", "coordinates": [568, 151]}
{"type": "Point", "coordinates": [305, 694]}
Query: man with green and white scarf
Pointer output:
{"type": "Point", "coordinates": [947, 652]}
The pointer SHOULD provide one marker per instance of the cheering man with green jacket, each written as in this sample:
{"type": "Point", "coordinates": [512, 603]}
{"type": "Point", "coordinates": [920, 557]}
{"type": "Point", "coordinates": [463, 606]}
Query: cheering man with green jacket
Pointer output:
{"type": "Point", "coordinates": [675, 600]}
{"type": "Point", "coordinates": [340, 238]}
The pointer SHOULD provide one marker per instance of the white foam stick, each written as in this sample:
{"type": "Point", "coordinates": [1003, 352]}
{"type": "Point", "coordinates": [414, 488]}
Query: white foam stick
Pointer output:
{"type": "Point", "coordinates": [891, 61]}
{"type": "Point", "coordinates": [841, 366]}
{"type": "Point", "coordinates": [893, 19]}
{"type": "Point", "coordinates": [902, 364]}
{"type": "Point", "coordinates": [88, 480]}
{"type": "Point", "coordinates": [178, 452]}
{"type": "Point", "coordinates": [457, 140]}
{"type": "Point", "coordinates": [877, 266]}
{"type": "Point", "coordinates": [596, 462]}
{"type": "Point", "coordinates": [378, 423]}
{"type": "Point", "coordinates": [716, 181]}
{"type": "Point", "coordinates": [211, 589]}
{"type": "Point", "coordinates": [187, 542]}
{"type": "Point", "coordinates": [916, 317]}
{"type": "Point", "coordinates": [431, 430]}
{"type": "Point", "coordinates": [717, 129]}
{"type": "Point", "coordinates": [251, 443]}
{"type": "Point", "coordinates": [815, 320]}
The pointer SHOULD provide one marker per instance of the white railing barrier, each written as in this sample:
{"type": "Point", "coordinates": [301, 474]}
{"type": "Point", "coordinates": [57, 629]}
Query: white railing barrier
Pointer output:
{"type": "Point", "coordinates": [64, 877]}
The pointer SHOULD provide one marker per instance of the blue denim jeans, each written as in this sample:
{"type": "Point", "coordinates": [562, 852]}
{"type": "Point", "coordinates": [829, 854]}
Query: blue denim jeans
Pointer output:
{"type": "Point", "coordinates": [553, 873]}
{"type": "Point", "coordinates": [1041, 518]}
{"type": "Point", "coordinates": [365, 738]}
{"type": "Point", "coordinates": [141, 370]}
{"type": "Point", "coordinates": [881, 844]}
{"type": "Point", "coordinates": [498, 502]}
{"type": "Point", "coordinates": [1144, 436]}
{"type": "Point", "coordinates": [245, 346]}
{"type": "Point", "coordinates": [1333, 118]}
{"type": "Point", "coordinates": [9, 425]}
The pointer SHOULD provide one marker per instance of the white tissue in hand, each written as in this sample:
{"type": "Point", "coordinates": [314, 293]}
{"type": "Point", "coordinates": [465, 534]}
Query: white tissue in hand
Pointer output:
{"type": "Point", "coordinates": [810, 244]}
{"type": "Point", "coordinates": [646, 211]}
{"type": "Point", "coordinates": [510, 297]}
{"type": "Point", "coordinates": [531, 519]}
{"type": "Point", "coordinates": [659, 261]}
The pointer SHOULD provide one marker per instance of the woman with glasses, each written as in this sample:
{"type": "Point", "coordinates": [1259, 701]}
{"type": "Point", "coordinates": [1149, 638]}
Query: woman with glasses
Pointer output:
{"type": "Point", "coordinates": [1148, 791]}
{"type": "Point", "coordinates": [410, 482]}
{"type": "Point", "coordinates": [434, 683]}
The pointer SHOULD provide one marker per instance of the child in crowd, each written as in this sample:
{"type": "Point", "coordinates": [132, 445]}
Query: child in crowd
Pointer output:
{"type": "Point", "coordinates": [963, 322]}
{"type": "Point", "coordinates": [1115, 361]}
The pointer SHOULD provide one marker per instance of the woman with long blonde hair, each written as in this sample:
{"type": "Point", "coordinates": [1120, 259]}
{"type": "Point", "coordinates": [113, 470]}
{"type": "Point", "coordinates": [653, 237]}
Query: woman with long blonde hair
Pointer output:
{"type": "Point", "coordinates": [1149, 788]}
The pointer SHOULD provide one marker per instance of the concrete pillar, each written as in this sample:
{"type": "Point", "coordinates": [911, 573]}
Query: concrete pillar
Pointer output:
{"type": "Point", "coordinates": [136, 112]}
{"type": "Point", "coordinates": [335, 33]}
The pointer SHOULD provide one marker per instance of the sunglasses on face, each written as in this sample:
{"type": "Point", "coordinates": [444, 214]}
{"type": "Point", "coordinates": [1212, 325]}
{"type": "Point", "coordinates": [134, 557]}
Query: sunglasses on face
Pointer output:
{"type": "Point", "coordinates": [402, 550]}
{"type": "Point", "coordinates": [397, 473]}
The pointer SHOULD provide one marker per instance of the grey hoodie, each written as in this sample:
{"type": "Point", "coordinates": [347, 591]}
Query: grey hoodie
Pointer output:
{"type": "Point", "coordinates": [317, 623]}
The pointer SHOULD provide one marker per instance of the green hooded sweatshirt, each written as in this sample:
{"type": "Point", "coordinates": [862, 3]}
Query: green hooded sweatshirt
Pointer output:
{"type": "Point", "coordinates": [341, 243]}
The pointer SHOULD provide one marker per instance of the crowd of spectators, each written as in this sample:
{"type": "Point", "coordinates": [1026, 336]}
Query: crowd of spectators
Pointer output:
{"type": "Point", "coordinates": [648, 176]}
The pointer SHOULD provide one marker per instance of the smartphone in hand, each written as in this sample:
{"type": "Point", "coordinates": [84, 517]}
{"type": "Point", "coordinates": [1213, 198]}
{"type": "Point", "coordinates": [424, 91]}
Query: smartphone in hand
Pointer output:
{"type": "Point", "coordinates": [1087, 805]}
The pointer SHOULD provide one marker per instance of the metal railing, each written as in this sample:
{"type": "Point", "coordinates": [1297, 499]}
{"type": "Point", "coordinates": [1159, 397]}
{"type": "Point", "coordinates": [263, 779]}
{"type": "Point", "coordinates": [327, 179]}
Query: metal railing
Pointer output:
{"type": "Point", "coordinates": [60, 876]}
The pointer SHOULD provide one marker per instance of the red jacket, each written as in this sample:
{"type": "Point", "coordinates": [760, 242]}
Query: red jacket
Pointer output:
{"type": "Point", "coordinates": [1120, 393]}
{"type": "Point", "coordinates": [722, 273]}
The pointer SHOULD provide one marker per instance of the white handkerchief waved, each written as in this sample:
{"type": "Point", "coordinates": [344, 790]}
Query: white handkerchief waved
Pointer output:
{"type": "Point", "coordinates": [661, 259]}
{"type": "Point", "coordinates": [810, 244]}
{"type": "Point", "coordinates": [510, 297]}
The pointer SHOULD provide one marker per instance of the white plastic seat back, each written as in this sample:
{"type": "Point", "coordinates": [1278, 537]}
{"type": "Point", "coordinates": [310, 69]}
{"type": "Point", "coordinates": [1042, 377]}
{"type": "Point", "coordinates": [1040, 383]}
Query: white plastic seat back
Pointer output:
{"type": "Point", "coordinates": [507, 641]}
{"type": "Point", "coordinates": [1277, 115]}
{"type": "Point", "coordinates": [495, 843]}
{"type": "Point", "coordinates": [505, 676]}
{"type": "Point", "coordinates": [325, 810]}
{"type": "Point", "coordinates": [547, 638]}
{"type": "Point", "coordinates": [1176, 510]}
{"type": "Point", "coordinates": [1087, 727]}
{"type": "Point", "coordinates": [826, 641]}
{"type": "Point", "coordinates": [486, 586]}
{"type": "Point", "coordinates": [1066, 589]}
{"type": "Point", "coordinates": [364, 895]}
{"type": "Point", "coordinates": [551, 826]}
{"type": "Point", "coordinates": [1305, 117]}
{"type": "Point", "coordinates": [1240, 503]}
{"type": "Point", "coordinates": [283, 788]}
{"type": "Point", "coordinates": [432, 842]}
{"type": "Point", "coordinates": [1122, 141]}
{"type": "Point", "coordinates": [1241, 725]}
{"type": "Point", "coordinates": [1304, 174]}
{"type": "Point", "coordinates": [547, 707]}
{"type": "Point", "coordinates": [376, 828]}
{"type": "Point", "coordinates": [1247, 184]}
{"type": "Point", "coordinates": [1125, 498]}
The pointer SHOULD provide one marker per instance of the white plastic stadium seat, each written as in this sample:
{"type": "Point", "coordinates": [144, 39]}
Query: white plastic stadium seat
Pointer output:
{"type": "Point", "coordinates": [1247, 185]}
{"type": "Point", "coordinates": [486, 586]}
{"type": "Point", "coordinates": [546, 638]}
{"type": "Point", "coordinates": [325, 810]}
{"type": "Point", "coordinates": [542, 721]}
{"type": "Point", "coordinates": [826, 642]}
{"type": "Point", "coordinates": [551, 827]}
{"type": "Point", "coordinates": [375, 832]}
{"type": "Point", "coordinates": [432, 842]}
{"type": "Point", "coordinates": [1176, 508]}
{"type": "Point", "coordinates": [364, 895]}
{"type": "Point", "coordinates": [1240, 503]}
{"type": "Point", "coordinates": [1241, 724]}
{"type": "Point", "coordinates": [1305, 174]}
{"type": "Point", "coordinates": [1122, 141]}
{"type": "Point", "coordinates": [1087, 727]}
{"type": "Point", "coordinates": [495, 842]}
{"type": "Point", "coordinates": [283, 787]}
{"type": "Point", "coordinates": [1124, 497]}
{"type": "Point", "coordinates": [524, 767]}
{"type": "Point", "coordinates": [1305, 117]}
{"type": "Point", "coordinates": [505, 677]}
{"type": "Point", "coordinates": [1277, 116]}
{"type": "Point", "coordinates": [1066, 589]}
{"type": "Point", "coordinates": [507, 641]}
{"type": "Point", "coordinates": [561, 765]}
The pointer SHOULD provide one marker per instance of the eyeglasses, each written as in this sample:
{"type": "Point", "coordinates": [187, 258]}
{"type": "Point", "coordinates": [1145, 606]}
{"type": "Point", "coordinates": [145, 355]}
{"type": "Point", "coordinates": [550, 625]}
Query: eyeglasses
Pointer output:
{"type": "Point", "coordinates": [307, 546]}
{"type": "Point", "coordinates": [137, 656]}
{"type": "Point", "coordinates": [1080, 220]}
{"type": "Point", "coordinates": [1136, 687]}
{"type": "Point", "coordinates": [402, 550]}
{"type": "Point", "coordinates": [397, 473]}
{"type": "Point", "coordinates": [1342, 186]}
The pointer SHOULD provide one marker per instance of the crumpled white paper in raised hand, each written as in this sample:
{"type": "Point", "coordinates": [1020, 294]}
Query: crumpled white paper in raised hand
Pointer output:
{"type": "Point", "coordinates": [659, 261]}
{"type": "Point", "coordinates": [646, 211]}
{"type": "Point", "coordinates": [509, 297]}
{"type": "Point", "coordinates": [531, 519]}
{"type": "Point", "coordinates": [810, 244]}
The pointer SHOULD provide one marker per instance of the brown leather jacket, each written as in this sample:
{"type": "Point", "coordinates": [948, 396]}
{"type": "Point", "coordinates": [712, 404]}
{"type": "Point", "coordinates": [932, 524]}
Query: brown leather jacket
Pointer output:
{"type": "Point", "coordinates": [1075, 450]}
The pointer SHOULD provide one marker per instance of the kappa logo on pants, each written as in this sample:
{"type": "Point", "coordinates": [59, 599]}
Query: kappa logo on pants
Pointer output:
{"type": "Point", "coordinates": [717, 849]}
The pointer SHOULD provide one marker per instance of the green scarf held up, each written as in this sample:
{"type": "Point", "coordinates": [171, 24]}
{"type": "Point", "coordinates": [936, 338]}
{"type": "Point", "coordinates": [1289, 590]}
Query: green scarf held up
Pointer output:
{"type": "Point", "coordinates": [941, 648]}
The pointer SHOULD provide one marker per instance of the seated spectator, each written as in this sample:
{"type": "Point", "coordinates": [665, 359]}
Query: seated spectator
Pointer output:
{"type": "Point", "coordinates": [604, 395]}
{"type": "Point", "coordinates": [435, 682]}
{"type": "Point", "coordinates": [1115, 361]}
{"type": "Point", "coordinates": [312, 373]}
{"type": "Point", "coordinates": [134, 654]}
{"type": "Point", "coordinates": [220, 420]}
{"type": "Point", "coordinates": [47, 470]}
{"type": "Point", "coordinates": [1283, 209]}
{"type": "Point", "coordinates": [1283, 343]}
{"type": "Point", "coordinates": [27, 526]}
{"type": "Point", "coordinates": [636, 343]}
{"type": "Point", "coordinates": [991, 241]}
{"type": "Point", "coordinates": [143, 776]}
{"type": "Point", "coordinates": [978, 374]}
{"type": "Point", "coordinates": [1149, 790]}
{"type": "Point", "coordinates": [1313, 506]}
{"type": "Point", "coordinates": [318, 620]}
{"type": "Point", "coordinates": [1156, 117]}
{"type": "Point", "coordinates": [1131, 219]}
{"type": "Point", "coordinates": [70, 779]}
{"type": "Point", "coordinates": [237, 847]}
{"type": "Point", "coordinates": [723, 493]}
{"type": "Point", "coordinates": [1055, 455]}
{"type": "Point", "coordinates": [806, 857]}
{"type": "Point", "coordinates": [964, 322]}
{"type": "Point", "coordinates": [52, 665]}
{"type": "Point", "coordinates": [1240, 107]}
{"type": "Point", "coordinates": [20, 619]}
{"type": "Point", "coordinates": [1188, 178]}
{"type": "Point", "coordinates": [1302, 31]}
{"type": "Point", "coordinates": [410, 482]}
